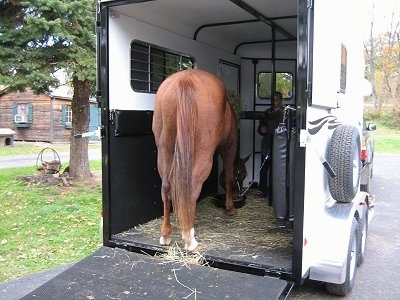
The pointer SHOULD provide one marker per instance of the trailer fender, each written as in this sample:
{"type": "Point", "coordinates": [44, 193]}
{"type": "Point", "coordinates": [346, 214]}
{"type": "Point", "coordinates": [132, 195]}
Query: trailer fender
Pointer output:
{"type": "Point", "coordinates": [344, 158]}
{"type": "Point", "coordinates": [362, 234]}
{"type": "Point", "coordinates": [332, 243]}
{"type": "Point", "coordinates": [351, 264]}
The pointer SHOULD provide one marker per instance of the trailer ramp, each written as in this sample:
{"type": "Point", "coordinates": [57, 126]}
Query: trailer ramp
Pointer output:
{"type": "Point", "coordinates": [113, 273]}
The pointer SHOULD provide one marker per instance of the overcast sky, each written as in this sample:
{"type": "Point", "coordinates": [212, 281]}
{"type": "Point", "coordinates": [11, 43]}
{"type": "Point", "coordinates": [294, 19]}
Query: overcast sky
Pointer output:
{"type": "Point", "coordinates": [382, 15]}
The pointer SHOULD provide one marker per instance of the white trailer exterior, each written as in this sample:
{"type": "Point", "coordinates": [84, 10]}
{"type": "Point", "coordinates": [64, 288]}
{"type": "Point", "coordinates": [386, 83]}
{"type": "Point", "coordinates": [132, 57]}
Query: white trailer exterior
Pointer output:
{"type": "Point", "coordinates": [317, 43]}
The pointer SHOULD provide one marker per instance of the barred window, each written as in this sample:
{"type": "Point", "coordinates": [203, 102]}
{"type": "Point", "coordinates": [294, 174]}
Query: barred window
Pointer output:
{"type": "Point", "coordinates": [150, 65]}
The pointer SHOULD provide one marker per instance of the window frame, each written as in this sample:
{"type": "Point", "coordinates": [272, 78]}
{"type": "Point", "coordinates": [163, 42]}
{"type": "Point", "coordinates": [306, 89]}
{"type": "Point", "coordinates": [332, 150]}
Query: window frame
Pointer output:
{"type": "Point", "coordinates": [66, 115]}
{"type": "Point", "coordinates": [285, 97]}
{"type": "Point", "coordinates": [152, 65]}
{"type": "Point", "coordinates": [27, 111]}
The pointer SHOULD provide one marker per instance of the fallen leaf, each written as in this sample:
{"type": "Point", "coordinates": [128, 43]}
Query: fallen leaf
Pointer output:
{"type": "Point", "coordinates": [22, 256]}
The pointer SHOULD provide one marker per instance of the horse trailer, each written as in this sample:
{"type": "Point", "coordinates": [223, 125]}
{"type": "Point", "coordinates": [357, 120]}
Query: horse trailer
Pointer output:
{"type": "Point", "coordinates": [312, 52]}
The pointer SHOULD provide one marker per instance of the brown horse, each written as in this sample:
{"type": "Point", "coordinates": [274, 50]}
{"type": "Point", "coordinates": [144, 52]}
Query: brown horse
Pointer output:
{"type": "Point", "coordinates": [192, 120]}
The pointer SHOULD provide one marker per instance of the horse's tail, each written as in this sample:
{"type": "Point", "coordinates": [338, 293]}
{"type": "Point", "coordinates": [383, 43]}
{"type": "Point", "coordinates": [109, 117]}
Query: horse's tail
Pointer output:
{"type": "Point", "coordinates": [186, 119]}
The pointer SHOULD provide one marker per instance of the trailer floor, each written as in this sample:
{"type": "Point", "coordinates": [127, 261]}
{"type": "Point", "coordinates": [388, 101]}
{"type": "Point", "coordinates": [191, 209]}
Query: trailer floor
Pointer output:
{"type": "Point", "coordinates": [251, 237]}
{"type": "Point", "coordinates": [113, 273]}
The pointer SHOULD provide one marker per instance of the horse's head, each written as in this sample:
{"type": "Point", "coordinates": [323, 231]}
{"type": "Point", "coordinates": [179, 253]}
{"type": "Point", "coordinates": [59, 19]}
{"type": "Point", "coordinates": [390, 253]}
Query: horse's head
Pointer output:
{"type": "Point", "coordinates": [239, 174]}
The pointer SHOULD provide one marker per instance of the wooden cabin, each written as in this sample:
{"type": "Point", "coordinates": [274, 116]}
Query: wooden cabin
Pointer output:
{"type": "Point", "coordinates": [43, 117]}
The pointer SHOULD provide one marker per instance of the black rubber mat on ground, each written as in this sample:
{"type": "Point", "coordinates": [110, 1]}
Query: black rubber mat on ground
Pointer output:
{"type": "Point", "coordinates": [118, 274]}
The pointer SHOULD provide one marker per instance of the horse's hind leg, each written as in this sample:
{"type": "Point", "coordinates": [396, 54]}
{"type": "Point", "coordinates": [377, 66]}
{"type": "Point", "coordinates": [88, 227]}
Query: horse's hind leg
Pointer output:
{"type": "Point", "coordinates": [165, 238]}
{"type": "Point", "coordinates": [190, 242]}
{"type": "Point", "coordinates": [228, 158]}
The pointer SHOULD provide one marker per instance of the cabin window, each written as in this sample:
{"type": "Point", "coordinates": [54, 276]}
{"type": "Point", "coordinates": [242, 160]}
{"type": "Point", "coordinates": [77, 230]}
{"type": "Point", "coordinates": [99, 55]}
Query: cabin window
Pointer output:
{"type": "Point", "coordinates": [66, 116]}
{"type": "Point", "coordinates": [22, 114]}
{"type": "Point", "coordinates": [283, 83]}
{"type": "Point", "coordinates": [150, 65]}
{"type": "Point", "coordinates": [343, 69]}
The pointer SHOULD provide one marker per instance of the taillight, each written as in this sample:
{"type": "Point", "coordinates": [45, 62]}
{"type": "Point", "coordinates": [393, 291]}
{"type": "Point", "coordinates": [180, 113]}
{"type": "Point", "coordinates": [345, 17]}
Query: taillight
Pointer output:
{"type": "Point", "coordinates": [363, 154]}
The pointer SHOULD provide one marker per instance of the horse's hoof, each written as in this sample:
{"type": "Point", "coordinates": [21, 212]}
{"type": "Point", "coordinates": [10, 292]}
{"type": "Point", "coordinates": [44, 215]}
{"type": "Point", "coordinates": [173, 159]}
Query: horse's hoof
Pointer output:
{"type": "Point", "coordinates": [231, 211]}
{"type": "Point", "coordinates": [165, 241]}
{"type": "Point", "coordinates": [191, 246]}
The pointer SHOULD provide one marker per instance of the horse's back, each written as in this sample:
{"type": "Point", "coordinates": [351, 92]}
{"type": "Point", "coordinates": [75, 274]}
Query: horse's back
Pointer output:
{"type": "Point", "coordinates": [213, 111]}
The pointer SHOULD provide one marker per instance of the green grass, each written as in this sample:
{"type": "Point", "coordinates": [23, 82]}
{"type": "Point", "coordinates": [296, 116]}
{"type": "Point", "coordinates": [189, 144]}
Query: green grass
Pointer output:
{"type": "Point", "coordinates": [43, 227]}
{"type": "Point", "coordinates": [386, 140]}
{"type": "Point", "coordinates": [35, 148]}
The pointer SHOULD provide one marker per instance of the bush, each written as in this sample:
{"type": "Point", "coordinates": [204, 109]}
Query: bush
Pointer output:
{"type": "Point", "coordinates": [386, 116]}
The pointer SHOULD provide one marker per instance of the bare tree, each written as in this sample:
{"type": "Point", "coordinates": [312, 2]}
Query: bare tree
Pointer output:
{"type": "Point", "coordinates": [383, 64]}
{"type": "Point", "coordinates": [369, 47]}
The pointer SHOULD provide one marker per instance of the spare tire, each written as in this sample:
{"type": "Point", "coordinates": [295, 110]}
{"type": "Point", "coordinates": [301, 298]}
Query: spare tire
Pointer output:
{"type": "Point", "coordinates": [344, 158]}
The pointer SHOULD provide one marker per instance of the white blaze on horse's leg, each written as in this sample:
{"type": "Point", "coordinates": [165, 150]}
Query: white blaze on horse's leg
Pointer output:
{"type": "Point", "coordinates": [165, 240]}
{"type": "Point", "coordinates": [192, 244]}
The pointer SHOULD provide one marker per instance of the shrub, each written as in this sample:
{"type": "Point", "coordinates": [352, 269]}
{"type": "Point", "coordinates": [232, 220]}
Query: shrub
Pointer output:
{"type": "Point", "coordinates": [386, 116]}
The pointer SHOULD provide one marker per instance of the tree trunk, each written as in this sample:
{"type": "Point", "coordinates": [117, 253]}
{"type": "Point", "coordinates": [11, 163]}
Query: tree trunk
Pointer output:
{"type": "Point", "coordinates": [79, 158]}
{"type": "Point", "coordinates": [372, 59]}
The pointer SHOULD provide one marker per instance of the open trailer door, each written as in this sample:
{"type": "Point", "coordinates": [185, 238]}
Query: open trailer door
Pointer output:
{"type": "Point", "coordinates": [120, 274]}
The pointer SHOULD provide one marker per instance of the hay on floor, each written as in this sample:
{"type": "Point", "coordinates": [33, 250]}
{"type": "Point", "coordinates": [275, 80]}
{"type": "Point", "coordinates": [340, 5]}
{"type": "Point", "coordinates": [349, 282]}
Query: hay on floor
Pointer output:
{"type": "Point", "coordinates": [251, 231]}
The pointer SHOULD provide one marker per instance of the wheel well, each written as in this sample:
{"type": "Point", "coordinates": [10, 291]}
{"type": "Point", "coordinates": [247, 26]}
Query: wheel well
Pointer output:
{"type": "Point", "coordinates": [362, 203]}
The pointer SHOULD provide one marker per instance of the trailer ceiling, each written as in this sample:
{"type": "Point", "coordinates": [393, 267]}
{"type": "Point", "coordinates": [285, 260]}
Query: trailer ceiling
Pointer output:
{"type": "Point", "coordinates": [225, 24]}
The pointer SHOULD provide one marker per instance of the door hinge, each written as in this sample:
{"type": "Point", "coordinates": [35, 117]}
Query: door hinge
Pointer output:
{"type": "Point", "coordinates": [111, 116]}
{"type": "Point", "coordinates": [304, 138]}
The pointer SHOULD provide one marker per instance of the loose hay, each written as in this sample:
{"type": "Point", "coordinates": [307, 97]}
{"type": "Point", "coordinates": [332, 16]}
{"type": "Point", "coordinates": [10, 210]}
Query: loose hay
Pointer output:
{"type": "Point", "coordinates": [251, 232]}
{"type": "Point", "coordinates": [175, 253]}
